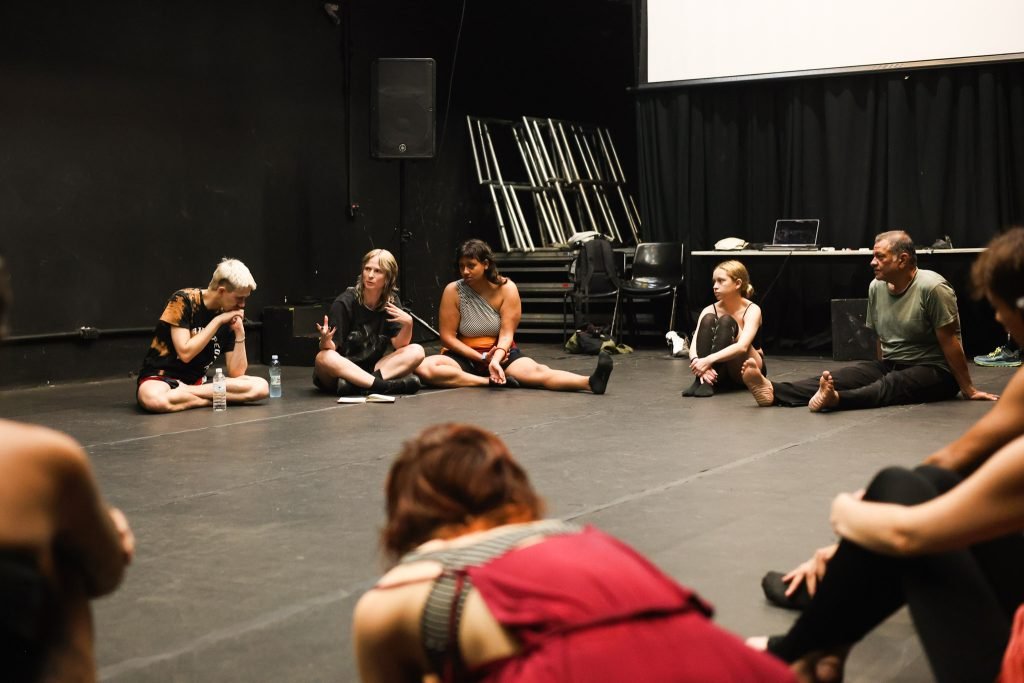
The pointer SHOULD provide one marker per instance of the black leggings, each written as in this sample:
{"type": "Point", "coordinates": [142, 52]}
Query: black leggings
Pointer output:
{"type": "Point", "coordinates": [713, 334]}
{"type": "Point", "coordinates": [962, 602]}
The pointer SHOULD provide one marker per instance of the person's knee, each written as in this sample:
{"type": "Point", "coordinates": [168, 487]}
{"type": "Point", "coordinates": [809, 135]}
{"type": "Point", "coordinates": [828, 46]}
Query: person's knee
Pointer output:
{"type": "Point", "coordinates": [542, 371]}
{"type": "Point", "coordinates": [899, 485]}
{"type": "Point", "coordinates": [427, 369]}
{"type": "Point", "coordinates": [153, 402]}
{"type": "Point", "coordinates": [941, 478]}
{"type": "Point", "coordinates": [324, 358]}
{"type": "Point", "coordinates": [415, 353]}
{"type": "Point", "coordinates": [727, 323]}
{"type": "Point", "coordinates": [707, 321]}
{"type": "Point", "coordinates": [259, 389]}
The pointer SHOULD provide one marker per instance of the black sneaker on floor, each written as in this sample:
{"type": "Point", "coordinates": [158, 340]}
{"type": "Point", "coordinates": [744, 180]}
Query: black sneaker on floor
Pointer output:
{"type": "Point", "coordinates": [409, 384]}
{"type": "Point", "coordinates": [346, 388]}
{"type": "Point", "coordinates": [775, 592]}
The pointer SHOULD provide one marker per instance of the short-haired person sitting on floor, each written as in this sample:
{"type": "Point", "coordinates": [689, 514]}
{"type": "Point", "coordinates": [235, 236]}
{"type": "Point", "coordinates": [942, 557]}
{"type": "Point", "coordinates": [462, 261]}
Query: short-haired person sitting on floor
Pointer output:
{"type": "Point", "coordinates": [198, 328]}
{"type": "Point", "coordinates": [726, 333]}
{"type": "Point", "coordinates": [478, 318]}
{"type": "Point", "coordinates": [920, 355]}
{"type": "Point", "coordinates": [366, 340]}
{"type": "Point", "coordinates": [486, 590]}
{"type": "Point", "coordinates": [60, 546]}
{"type": "Point", "coordinates": [944, 538]}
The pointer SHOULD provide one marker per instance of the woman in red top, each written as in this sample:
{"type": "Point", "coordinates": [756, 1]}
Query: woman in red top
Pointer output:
{"type": "Point", "coordinates": [486, 590]}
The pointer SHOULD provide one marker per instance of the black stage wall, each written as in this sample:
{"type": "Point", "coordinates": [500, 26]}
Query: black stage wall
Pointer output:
{"type": "Point", "coordinates": [141, 142]}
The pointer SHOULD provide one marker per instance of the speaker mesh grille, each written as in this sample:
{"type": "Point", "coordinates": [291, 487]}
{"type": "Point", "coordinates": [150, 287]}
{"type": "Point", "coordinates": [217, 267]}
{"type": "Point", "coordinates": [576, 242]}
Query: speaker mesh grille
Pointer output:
{"type": "Point", "coordinates": [402, 109]}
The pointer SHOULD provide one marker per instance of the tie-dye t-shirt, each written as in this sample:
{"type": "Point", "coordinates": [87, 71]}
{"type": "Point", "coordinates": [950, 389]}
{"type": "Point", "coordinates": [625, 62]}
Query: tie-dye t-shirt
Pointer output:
{"type": "Point", "coordinates": [185, 309]}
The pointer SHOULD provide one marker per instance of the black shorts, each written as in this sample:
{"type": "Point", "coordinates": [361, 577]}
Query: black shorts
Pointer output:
{"type": "Point", "coordinates": [172, 382]}
{"type": "Point", "coordinates": [475, 367]}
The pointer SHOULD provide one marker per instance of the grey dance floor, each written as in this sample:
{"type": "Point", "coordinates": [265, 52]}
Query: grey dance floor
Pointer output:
{"type": "Point", "coordinates": [257, 527]}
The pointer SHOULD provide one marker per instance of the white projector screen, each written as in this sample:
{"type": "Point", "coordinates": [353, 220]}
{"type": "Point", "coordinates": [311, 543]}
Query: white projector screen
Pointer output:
{"type": "Point", "coordinates": [692, 41]}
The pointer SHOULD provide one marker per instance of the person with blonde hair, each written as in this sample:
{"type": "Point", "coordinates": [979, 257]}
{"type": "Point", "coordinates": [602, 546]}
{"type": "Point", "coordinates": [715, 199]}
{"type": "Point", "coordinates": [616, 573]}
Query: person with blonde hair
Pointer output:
{"type": "Point", "coordinates": [198, 328]}
{"type": "Point", "coordinates": [61, 545]}
{"type": "Point", "coordinates": [486, 590]}
{"type": "Point", "coordinates": [366, 339]}
{"type": "Point", "coordinates": [726, 333]}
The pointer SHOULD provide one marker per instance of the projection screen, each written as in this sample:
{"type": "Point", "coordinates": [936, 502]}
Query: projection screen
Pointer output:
{"type": "Point", "coordinates": [695, 41]}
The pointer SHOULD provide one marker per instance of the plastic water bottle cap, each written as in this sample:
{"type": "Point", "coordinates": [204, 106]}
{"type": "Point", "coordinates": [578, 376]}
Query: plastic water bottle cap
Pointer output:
{"type": "Point", "coordinates": [274, 357]}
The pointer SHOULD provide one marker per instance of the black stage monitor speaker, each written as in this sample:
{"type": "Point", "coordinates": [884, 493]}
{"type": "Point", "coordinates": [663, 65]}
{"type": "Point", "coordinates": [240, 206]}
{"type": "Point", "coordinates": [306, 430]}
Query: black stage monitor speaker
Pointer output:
{"type": "Point", "coordinates": [402, 109]}
{"type": "Point", "coordinates": [290, 333]}
{"type": "Point", "coordinates": [851, 338]}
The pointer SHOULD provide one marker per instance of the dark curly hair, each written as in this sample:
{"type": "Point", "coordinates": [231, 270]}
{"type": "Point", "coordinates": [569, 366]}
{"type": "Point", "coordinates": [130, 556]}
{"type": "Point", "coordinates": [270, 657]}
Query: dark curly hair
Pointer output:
{"type": "Point", "coordinates": [452, 479]}
{"type": "Point", "coordinates": [999, 270]}
{"type": "Point", "coordinates": [480, 251]}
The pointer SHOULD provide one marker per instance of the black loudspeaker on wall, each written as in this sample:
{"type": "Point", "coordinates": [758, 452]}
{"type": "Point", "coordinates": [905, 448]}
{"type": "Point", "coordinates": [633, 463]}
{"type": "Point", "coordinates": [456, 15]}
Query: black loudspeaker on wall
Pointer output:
{"type": "Point", "coordinates": [402, 108]}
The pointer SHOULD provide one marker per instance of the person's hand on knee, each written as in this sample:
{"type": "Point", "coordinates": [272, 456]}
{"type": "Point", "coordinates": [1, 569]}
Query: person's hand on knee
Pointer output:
{"type": "Point", "coordinates": [809, 572]}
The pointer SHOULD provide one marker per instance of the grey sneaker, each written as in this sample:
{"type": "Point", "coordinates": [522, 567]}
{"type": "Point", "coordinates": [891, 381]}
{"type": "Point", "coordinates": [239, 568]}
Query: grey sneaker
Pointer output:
{"type": "Point", "coordinates": [1000, 358]}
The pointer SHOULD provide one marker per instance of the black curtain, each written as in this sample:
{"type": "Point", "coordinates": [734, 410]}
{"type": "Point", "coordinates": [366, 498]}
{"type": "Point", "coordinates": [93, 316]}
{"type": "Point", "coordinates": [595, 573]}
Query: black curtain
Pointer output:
{"type": "Point", "coordinates": [934, 152]}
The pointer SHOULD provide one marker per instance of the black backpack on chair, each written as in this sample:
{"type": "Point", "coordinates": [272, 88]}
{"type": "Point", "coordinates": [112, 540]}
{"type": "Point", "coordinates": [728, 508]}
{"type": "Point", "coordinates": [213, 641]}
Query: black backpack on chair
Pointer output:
{"type": "Point", "coordinates": [594, 275]}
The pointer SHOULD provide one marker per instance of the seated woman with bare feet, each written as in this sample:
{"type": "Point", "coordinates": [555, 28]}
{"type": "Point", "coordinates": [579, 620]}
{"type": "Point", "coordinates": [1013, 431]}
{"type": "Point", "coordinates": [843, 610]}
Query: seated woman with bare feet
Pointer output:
{"type": "Point", "coordinates": [485, 590]}
{"type": "Point", "coordinates": [365, 341]}
{"type": "Point", "coordinates": [478, 318]}
{"type": "Point", "coordinates": [725, 333]}
{"type": "Point", "coordinates": [944, 538]}
{"type": "Point", "coordinates": [61, 546]}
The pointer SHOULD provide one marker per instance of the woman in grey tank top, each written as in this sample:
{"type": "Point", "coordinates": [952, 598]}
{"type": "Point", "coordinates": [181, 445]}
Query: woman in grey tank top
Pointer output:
{"type": "Point", "coordinates": [478, 318]}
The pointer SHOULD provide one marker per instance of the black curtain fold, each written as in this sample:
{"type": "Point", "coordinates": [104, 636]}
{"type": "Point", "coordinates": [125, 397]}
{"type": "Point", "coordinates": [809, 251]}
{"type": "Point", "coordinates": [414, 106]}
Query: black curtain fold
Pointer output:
{"type": "Point", "coordinates": [935, 152]}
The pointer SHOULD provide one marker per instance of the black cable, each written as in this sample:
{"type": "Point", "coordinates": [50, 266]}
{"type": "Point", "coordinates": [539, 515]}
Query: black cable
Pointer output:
{"type": "Point", "coordinates": [451, 78]}
{"type": "Point", "coordinates": [764, 297]}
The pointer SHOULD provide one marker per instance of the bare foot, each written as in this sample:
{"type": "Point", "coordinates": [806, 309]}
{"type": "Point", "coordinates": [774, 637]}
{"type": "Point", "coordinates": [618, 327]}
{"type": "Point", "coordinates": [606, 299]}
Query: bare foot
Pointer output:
{"type": "Point", "coordinates": [757, 383]}
{"type": "Point", "coordinates": [826, 396]}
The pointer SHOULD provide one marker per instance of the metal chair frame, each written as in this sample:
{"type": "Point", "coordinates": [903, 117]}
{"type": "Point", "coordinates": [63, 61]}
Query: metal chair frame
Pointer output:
{"type": "Point", "coordinates": [672, 276]}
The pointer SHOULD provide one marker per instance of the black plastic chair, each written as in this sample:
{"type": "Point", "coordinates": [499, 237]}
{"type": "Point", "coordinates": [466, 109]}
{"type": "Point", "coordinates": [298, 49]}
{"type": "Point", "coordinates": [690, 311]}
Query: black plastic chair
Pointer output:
{"type": "Point", "coordinates": [594, 278]}
{"type": "Point", "coordinates": [657, 272]}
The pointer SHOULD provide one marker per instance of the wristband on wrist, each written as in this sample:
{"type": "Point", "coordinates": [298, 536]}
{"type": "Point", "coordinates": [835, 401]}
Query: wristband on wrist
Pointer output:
{"type": "Point", "coordinates": [239, 340]}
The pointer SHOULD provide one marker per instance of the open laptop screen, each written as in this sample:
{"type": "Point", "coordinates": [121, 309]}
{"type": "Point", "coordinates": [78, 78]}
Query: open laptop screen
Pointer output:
{"type": "Point", "coordinates": [796, 232]}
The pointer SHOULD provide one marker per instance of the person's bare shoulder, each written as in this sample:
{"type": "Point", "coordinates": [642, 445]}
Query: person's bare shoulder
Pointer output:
{"type": "Point", "coordinates": [35, 446]}
{"type": "Point", "coordinates": [390, 611]}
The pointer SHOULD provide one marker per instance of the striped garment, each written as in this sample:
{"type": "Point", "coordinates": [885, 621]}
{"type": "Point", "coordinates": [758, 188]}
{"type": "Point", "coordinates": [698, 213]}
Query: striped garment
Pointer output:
{"type": "Point", "coordinates": [476, 317]}
{"type": "Point", "coordinates": [442, 612]}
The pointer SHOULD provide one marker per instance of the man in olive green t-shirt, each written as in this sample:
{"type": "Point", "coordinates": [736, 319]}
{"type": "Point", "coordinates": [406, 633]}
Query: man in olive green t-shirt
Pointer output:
{"type": "Point", "coordinates": [921, 358]}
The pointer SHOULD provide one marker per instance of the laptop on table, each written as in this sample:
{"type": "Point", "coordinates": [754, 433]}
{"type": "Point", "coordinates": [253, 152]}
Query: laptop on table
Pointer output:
{"type": "Point", "coordinates": [794, 234]}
